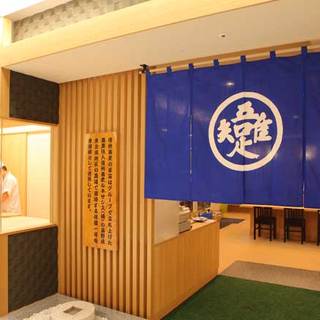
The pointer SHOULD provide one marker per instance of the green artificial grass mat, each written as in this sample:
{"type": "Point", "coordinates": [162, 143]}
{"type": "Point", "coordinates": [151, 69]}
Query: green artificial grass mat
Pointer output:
{"type": "Point", "coordinates": [227, 298]}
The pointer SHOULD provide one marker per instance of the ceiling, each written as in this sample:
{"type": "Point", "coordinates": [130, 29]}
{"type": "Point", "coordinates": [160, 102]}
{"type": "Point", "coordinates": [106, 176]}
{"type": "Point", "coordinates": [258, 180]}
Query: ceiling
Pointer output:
{"type": "Point", "coordinates": [271, 24]}
{"type": "Point", "coordinates": [17, 10]}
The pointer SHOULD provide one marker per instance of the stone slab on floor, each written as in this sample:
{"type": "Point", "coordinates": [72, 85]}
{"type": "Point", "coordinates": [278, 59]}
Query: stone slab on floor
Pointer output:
{"type": "Point", "coordinates": [290, 277]}
{"type": "Point", "coordinates": [57, 299]}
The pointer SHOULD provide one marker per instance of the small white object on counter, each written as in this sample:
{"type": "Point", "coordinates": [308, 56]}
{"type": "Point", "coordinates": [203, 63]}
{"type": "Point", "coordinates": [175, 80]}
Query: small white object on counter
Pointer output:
{"type": "Point", "coordinates": [199, 219]}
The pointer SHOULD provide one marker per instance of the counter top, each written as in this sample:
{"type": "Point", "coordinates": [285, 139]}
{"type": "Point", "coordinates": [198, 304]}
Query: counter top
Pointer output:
{"type": "Point", "coordinates": [197, 225]}
{"type": "Point", "coordinates": [194, 227]}
{"type": "Point", "coordinates": [18, 224]}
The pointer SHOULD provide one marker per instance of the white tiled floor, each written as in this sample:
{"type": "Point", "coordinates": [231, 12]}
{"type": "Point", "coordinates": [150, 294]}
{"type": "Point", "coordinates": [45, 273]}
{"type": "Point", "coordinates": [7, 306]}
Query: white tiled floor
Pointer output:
{"type": "Point", "coordinates": [285, 276]}
{"type": "Point", "coordinates": [54, 300]}
{"type": "Point", "coordinates": [237, 244]}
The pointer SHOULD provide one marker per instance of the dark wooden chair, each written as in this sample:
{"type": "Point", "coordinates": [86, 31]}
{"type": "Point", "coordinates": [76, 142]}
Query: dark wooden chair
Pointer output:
{"type": "Point", "coordinates": [294, 221]}
{"type": "Point", "coordinates": [263, 220]}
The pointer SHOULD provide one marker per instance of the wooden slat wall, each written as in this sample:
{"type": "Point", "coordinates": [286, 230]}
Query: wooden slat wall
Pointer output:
{"type": "Point", "coordinates": [122, 279]}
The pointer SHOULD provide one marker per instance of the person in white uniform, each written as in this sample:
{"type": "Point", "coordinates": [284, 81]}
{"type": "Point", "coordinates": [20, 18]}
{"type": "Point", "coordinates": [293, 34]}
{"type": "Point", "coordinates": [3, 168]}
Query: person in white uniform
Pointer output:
{"type": "Point", "coordinates": [10, 201]}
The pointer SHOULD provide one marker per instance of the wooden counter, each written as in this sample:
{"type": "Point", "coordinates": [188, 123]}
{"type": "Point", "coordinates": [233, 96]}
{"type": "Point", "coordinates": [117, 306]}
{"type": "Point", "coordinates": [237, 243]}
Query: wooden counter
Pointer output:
{"type": "Point", "coordinates": [311, 216]}
{"type": "Point", "coordinates": [182, 265]}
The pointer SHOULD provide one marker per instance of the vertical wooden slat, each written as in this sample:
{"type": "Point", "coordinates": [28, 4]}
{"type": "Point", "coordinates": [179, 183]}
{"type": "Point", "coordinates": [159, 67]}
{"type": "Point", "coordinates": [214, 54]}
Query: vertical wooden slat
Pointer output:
{"type": "Point", "coordinates": [115, 254]}
{"type": "Point", "coordinates": [142, 208]}
{"type": "Point", "coordinates": [97, 117]}
{"type": "Point", "coordinates": [150, 211]}
{"type": "Point", "coordinates": [61, 189]}
{"type": "Point", "coordinates": [91, 115]}
{"type": "Point", "coordinates": [68, 195]}
{"type": "Point", "coordinates": [73, 185]}
{"type": "Point", "coordinates": [128, 199]}
{"type": "Point", "coordinates": [122, 157]}
{"type": "Point", "coordinates": [119, 279]}
{"type": "Point", "coordinates": [109, 127]}
{"type": "Point", "coordinates": [84, 128]}
{"type": "Point", "coordinates": [149, 218]}
{"type": "Point", "coordinates": [135, 189]}
{"type": "Point", "coordinates": [78, 222]}
{"type": "Point", "coordinates": [102, 267]}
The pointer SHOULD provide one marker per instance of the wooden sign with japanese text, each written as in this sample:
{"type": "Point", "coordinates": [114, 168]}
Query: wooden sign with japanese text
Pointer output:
{"type": "Point", "coordinates": [100, 191]}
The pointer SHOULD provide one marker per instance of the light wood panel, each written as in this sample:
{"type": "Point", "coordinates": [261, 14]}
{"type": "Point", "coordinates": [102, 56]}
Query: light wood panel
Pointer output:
{"type": "Point", "coordinates": [3, 274]}
{"type": "Point", "coordinates": [120, 279]}
{"type": "Point", "coordinates": [182, 265]}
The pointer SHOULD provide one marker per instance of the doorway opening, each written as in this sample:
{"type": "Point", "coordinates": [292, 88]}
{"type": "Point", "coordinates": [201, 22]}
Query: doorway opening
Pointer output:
{"type": "Point", "coordinates": [25, 159]}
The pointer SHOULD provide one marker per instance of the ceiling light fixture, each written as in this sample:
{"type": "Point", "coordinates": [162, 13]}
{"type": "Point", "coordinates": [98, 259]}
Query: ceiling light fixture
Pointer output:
{"type": "Point", "coordinates": [229, 83]}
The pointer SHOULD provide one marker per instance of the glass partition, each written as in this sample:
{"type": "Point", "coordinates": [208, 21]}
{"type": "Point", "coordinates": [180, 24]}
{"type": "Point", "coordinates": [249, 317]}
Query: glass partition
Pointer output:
{"type": "Point", "coordinates": [25, 162]}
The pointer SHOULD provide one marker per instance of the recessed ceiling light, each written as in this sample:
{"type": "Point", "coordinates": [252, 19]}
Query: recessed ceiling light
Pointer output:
{"type": "Point", "coordinates": [222, 35]}
{"type": "Point", "coordinates": [229, 83]}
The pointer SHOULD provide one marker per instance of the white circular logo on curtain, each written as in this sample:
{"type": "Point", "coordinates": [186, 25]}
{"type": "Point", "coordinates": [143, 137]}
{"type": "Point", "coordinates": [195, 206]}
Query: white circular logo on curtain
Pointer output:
{"type": "Point", "coordinates": [245, 131]}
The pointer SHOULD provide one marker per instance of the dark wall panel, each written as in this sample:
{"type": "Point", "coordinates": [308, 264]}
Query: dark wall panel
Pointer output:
{"type": "Point", "coordinates": [33, 98]}
{"type": "Point", "coordinates": [32, 266]}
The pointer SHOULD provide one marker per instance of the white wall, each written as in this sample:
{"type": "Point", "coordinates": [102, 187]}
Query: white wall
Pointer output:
{"type": "Point", "coordinates": [38, 175]}
{"type": "Point", "coordinates": [166, 222]}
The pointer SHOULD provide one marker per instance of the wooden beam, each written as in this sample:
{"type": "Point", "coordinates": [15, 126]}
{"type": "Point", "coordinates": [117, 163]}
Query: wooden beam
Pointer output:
{"type": "Point", "coordinates": [4, 92]}
{"type": "Point", "coordinates": [5, 32]}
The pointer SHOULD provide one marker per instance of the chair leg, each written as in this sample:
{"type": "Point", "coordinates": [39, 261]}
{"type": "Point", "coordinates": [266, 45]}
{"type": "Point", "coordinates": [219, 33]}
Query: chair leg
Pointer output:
{"type": "Point", "coordinates": [302, 234]}
{"type": "Point", "coordinates": [274, 230]}
{"type": "Point", "coordinates": [270, 231]}
{"type": "Point", "coordinates": [284, 232]}
{"type": "Point", "coordinates": [288, 232]}
{"type": "Point", "coordinates": [254, 231]}
{"type": "Point", "coordinates": [259, 230]}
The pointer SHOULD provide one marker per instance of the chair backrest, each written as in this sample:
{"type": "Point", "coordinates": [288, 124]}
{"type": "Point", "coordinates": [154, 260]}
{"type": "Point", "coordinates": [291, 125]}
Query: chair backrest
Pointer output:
{"type": "Point", "coordinates": [293, 213]}
{"type": "Point", "coordinates": [262, 212]}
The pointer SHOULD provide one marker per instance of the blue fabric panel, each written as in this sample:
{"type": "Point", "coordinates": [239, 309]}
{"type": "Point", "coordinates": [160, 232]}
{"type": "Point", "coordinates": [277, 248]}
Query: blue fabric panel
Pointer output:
{"type": "Point", "coordinates": [312, 131]}
{"type": "Point", "coordinates": [280, 181]}
{"type": "Point", "coordinates": [212, 181]}
{"type": "Point", "coordinates": [167, 136]}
